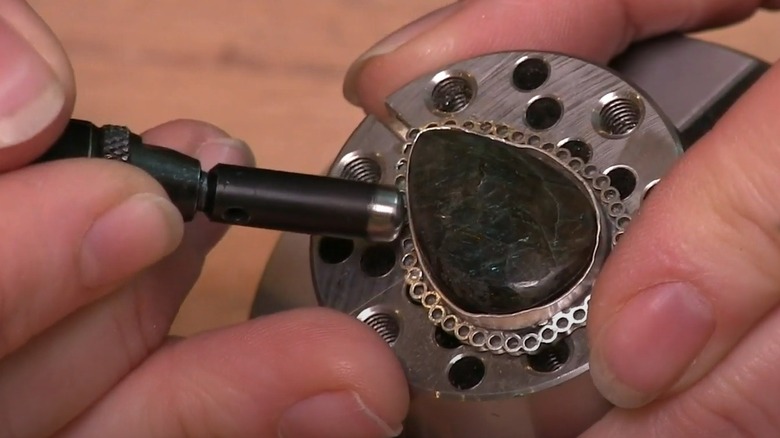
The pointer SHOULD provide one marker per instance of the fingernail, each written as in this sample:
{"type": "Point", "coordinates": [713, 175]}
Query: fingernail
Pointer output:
{"type": "Point", "coordinates": [650, 343]}
{"type": "Point", "coordinates": [129, 238]}
{"type": "Point", "coordinates": [336, 415]}
{"type": "Point", "coordinates": [391, 43]}
{"type": "Point", "coordinates": [225, 150]}
{"type": "Point", "coordinates": [31, 96]}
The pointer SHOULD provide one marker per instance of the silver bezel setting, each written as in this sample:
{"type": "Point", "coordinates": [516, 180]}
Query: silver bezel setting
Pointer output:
{"type": "Point", "coordinates": [526, 331]}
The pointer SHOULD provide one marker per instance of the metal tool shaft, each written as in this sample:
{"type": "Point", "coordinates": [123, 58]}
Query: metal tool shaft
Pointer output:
{"type": "Point", "coordinates": [246, 196]}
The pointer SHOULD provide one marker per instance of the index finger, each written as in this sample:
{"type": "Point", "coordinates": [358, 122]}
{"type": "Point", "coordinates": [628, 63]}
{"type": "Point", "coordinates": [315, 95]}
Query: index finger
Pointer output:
{"type": "Point", "coordinates": [37, 89]}
{"type": "Point", "coordinates": [595, 30]}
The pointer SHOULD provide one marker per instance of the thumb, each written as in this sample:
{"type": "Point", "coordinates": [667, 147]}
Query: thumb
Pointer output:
{"type": "Point", "coordinates": [37, 89]}
{"type": "Point", "coordinates": [699, 267]}
{"type": "Point", "coordinates": [303, 373]}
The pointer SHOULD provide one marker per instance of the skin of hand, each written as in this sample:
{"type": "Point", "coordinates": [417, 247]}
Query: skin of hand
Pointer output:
{"type": "Point", "coordinates": [83, 348]}
{"type": "Point", "coordinates": [86, 302]}
{"type": "Point", "coordinates": [685, 314]}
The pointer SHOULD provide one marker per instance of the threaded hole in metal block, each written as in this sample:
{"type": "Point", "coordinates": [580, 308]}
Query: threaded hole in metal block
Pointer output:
{"type": "Point", "coordinates": [466, 372]}
{"type": "Point", "coordinates": [333, 250]}
{"type": "Point", "coordinates": [378, 260]}
{"type": "Point", "coordinates": [362, 169]}
{"type": "Point", "coordinates": [452, 94]}
{"type": "Point", "coordinates": [386, 326]}
{"type": "Point", "coordinates": [622, 179]}
{"type": "Point", "coordinates": [619, 114]}
{"type": "Point", "coordinates": [444, 339]}
{"type": "Point", "coordinates": [549, 358]}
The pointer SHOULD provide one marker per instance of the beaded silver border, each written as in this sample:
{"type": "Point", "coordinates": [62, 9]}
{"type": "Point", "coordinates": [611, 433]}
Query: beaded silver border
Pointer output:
{"type": "Point", "coordinates": [530, 339]}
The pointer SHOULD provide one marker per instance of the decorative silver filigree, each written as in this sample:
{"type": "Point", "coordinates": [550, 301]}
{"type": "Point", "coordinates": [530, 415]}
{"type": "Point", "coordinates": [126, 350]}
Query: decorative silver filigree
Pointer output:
{"type": "Point", "coordinates": [521, 340]}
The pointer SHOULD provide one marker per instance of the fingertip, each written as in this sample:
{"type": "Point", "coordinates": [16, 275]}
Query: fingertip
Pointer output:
{"type": "Point", "coordinates": [46, 210]}
{"type": "Point", "coordinates": [211, 145]}
{"type": "Point", "coordinates": [339, 414]}
{"type": "Point", "coordinates": [341, 353]}
{"type": "Point", "coordinates": [34, 99]}
{"type": "Point", "coordinates": [353, 89]}
{"type": "Point", "coordinates": [111, 251]}
{"type": "Point", "coordinates": [225, 150]}
{"type": "Point", "coordinates": [263, 378]}
{"type": "Point", "coordinates": [458, 31]}
{"type": "Point", "coordinates": [329, 353]}
{"type": "Point", "coordinates": [33, 28]}
{"type": "Point", "coordinates": [184, 135]}
{"type": "Point", "coordinates": [672, 318]}
{"type": "Point", "coordinates": [710, 225]}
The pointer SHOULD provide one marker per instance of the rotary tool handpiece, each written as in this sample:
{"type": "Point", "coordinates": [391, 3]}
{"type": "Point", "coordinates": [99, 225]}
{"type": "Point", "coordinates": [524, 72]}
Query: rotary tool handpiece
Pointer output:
{"type": "Point", "coordinates": [246, 196]}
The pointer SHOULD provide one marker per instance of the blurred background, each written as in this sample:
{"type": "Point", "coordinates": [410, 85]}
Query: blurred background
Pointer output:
{"type": "Point", "coordinates": [267, 71]}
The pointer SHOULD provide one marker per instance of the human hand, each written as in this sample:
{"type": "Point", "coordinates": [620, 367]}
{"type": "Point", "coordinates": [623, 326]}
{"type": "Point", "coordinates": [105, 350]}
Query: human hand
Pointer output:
{"type": "Point", "coordinates": [94, 264]}
{"type": "Point", "coordinates": [685, 313]}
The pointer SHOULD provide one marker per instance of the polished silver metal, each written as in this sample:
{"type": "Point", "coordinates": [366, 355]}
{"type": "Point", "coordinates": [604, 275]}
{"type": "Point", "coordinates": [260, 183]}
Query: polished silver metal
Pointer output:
{"type": "Point", "coordinates": [386, 216]}
{"type": "Point", "coordinates": [513, 398]}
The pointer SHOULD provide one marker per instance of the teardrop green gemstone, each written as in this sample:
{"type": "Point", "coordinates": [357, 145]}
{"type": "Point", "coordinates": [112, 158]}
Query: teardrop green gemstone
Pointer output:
{"type": "Point", "coordinates": [499, 228]}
